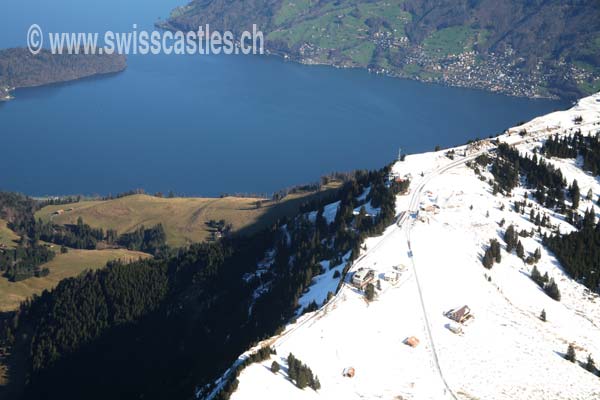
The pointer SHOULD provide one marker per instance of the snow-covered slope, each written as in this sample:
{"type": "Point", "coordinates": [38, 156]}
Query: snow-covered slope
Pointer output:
{"type": "Point", "coordinates": [444, 223]}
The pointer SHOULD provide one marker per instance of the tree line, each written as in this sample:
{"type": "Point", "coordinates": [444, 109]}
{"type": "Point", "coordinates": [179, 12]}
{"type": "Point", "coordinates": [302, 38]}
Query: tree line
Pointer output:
{"type": "Point", "coordinates": [572, 146]}
{"type": "Point", "coordinates": [579, 251]}
{"type": "Point", "coordinates": [24, 261]}
{"type": "Point", "coordinates": [546, 180]}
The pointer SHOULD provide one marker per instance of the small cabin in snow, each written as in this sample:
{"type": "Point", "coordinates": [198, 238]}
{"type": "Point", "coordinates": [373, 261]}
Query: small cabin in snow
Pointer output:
{"type": "Point", "coordinates": [411, 341]}
{"type": "Point", "coordinates": [391, 277]}
{"type": "Point", "coordinates": [454, 328]}
{"type": "Point", "coordinates": [460, 315]}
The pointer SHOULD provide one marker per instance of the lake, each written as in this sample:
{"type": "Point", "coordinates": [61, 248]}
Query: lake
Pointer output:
{"type": "Point", "coordinates": [207, 125]}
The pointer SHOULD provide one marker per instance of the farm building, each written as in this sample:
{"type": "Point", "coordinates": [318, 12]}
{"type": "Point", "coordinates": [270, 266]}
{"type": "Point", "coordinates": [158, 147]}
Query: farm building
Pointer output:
{"type": "Point", "coordinates": [460, 315]}
{"type": "Point", "coordinates": [454, 328]}
{"type": "Point", "coordinates": [411, 341]}
{"type": "Point", "coordinates": [430, 208]}
{"type": "Point", "coordinates": [400, 267]}
{"type": "Point", "coordinates": [362, 277]}
{"type": "Point", "coordinates": [391, 277]}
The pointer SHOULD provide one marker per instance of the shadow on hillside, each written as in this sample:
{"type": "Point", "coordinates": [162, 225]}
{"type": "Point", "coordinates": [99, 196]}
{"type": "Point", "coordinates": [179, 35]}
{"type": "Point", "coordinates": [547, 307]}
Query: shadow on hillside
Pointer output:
{"type": "Point", "coordinates": [286, 208]}
{"type": "Point", "coordinates": [13, 367]}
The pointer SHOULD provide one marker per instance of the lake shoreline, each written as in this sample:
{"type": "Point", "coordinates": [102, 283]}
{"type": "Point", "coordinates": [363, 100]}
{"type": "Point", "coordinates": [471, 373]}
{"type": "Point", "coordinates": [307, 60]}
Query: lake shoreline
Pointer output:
{"type": "Point", "coordinates": [298, 58]}
{"type": "Point", "coordinates": [27, 70]}
{"type": "Point", "coordinates": [11, 94]}
{"type": "Point", "coordinates": [227, 124]}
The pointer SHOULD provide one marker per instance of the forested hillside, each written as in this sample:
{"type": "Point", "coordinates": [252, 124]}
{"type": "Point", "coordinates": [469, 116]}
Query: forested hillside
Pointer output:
{"type": "Point", "coordinates": [577, 251]}
{"type": "Point", "coordinates": [37, 238]}
{"type": "Point", "coordinates": [19, 68]}
{"type": "Point", "coordinates": [524, 48]}
{"type": "Point", "coordinates": [166, 326]}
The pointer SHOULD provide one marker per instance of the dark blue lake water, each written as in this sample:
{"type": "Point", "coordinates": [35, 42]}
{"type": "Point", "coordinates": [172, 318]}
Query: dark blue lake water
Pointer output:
{"type": "Point", "coordinates": [205, 125]}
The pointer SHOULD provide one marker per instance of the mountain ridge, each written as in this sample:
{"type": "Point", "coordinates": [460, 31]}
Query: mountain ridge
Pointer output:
{"type": "Point", "coordinates": [455, 208]}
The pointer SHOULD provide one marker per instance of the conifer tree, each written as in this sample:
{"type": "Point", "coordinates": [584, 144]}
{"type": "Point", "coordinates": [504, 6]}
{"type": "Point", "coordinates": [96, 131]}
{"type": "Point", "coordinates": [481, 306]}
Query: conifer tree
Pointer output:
{"type": "Point", "coordinates": [590, 365]}
{"type": "Point", "coordinates": [496, 252]}
{"type": "Point", "coordinates": [551, 289]}
{"type": "Point", "coordinates": [302, 379]}
{"type": "Point", "coordinates": [575, 194]}
{"type": "Point", "coordinates": [291, 361]}
{"type": "Point", "coordinates": [488, 260]}
{"type": "Point", "coordinates": [520, 250]}
{"type": "Point", "coordinates": [545, 278]}
{"type": "Point", "coordinates": [537, 255]}
{"type": "Point", "coordinates": [535, 275]}
{"type": "Point", "coordinates": [589, 219]}
{"type": "Point", "coordinates": [370, 292]}
{"type": "Point", "coordinates": [301, 374]}
{"type": "Point", "coordinates": [316, 384]}
{"type": "Point", "coordinates": [492, 254]}
{"type": "Point", "coordinates": [511, 238]}
{"type": "Point", "coordinates": [571, 353]}
{"type": "Point", "coordinates": [275, 367]}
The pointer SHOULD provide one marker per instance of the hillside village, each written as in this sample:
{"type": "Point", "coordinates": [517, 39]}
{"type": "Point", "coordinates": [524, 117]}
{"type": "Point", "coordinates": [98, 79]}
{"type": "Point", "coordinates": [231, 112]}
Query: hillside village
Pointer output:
{"type": "Point", "coordinates": [550, 52]}
{"type": "Point", "coordinates": [5, 93]}
{"type": "Point", "coordinates": [419, 316]}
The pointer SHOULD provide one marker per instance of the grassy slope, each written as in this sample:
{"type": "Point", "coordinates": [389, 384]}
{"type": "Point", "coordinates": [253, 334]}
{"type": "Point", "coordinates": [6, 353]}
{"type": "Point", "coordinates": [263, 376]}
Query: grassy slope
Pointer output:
{"type": "Point", "coordinates": [340, 25]}
{"type": "Point", "coordinates": [344, 27]}
{"type": "Point", "coordinates": [450, 41]}
{"type": "Point", "coordinates": [61, 267]}
{"type": "Point", "coordinates": [346, 33]}
{"type": "Point", "coordinates": [184, 219]}
{"type": "Point", "coordinates": [7, 237]}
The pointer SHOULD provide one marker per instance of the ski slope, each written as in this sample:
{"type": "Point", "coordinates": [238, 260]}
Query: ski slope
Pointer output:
{"type": "Point", "coordinates": [443, 226]}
